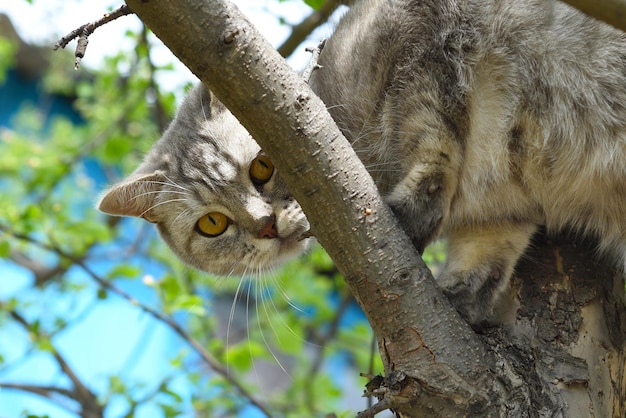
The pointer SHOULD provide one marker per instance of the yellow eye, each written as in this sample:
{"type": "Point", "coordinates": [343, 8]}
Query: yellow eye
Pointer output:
{"type": "Point", "coordinates": [212, 224]}
{"type": "Point", "coordinates": [261, 170]}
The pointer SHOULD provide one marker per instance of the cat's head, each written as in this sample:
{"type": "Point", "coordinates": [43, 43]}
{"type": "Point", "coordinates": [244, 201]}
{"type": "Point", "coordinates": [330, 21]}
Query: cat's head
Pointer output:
{"type": "Point", "coordinates": [215, 197]}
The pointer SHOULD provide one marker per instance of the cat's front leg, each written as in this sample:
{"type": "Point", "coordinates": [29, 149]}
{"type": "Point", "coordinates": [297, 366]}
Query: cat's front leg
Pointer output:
{"type": "Point", "coordinates": [421, 200]}
{"type": "Point", "coordinates": [480, 262]}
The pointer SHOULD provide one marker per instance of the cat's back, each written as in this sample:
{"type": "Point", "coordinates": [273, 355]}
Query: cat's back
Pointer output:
{"type": "Point", "coordinates": [382, 45]}
{"type": "Point", "coordinates": [532, 93]}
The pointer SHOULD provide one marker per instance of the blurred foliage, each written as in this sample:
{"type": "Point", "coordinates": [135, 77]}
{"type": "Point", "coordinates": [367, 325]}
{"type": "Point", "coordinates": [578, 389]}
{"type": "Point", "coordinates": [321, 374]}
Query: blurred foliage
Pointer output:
{"type": "Point", "coordinates": [7, 52]}
{"type": "Point", "coordinates": [298, 321]}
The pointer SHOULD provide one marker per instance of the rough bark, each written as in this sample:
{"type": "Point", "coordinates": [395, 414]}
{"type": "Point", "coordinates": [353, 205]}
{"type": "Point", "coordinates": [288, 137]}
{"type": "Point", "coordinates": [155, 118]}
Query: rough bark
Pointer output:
{"type": "Point", "coordinates": [563, 328]}
{"type": "Point", "coordinates": [435, 364]}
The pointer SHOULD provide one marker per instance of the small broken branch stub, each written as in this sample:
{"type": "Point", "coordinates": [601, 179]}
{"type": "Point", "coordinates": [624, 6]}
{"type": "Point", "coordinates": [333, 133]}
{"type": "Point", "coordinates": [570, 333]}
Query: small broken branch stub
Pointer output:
{"type": "Point", "coordinates": [83, 32]}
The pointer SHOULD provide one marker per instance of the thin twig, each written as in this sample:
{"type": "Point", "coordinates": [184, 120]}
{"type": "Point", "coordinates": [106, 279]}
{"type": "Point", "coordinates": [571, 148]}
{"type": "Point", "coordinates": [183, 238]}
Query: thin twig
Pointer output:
{"type": "Point", "coordinates": [43, 391]}
{"type": "Point", "coordinates": [313, 65]}
{"type": "Point", "coordinates": [57, 395]}
{"type": "Point", "coordinates": [83, 32]}
{"type": "Point", "coordinates": [370, 369]}
{"type": "Point", "coordinates": [375, 409]}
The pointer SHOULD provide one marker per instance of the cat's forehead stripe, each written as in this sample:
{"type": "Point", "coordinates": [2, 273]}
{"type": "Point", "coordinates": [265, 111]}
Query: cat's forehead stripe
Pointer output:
{"type": "Point", "coordinates": [207, 159]}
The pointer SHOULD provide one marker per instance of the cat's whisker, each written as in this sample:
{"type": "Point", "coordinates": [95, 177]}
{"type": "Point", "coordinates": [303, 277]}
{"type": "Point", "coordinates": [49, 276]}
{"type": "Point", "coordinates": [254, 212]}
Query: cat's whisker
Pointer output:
{"type": "Point", "coordinates": [235, 269]}
{"type": "Point", "coordinates": [167, 183]}
{"type": "Point", "coordinates": [337, 106]}
{"type": "Point", "coordinates": [182, 214]}
{"type": "Point", "coordinates": [381, 168]}
{"type": "Point", "coordinates": [231, 317]}
{"type": "Point", "coordinates": [382, 164]}
{"type": "Point", "coordinates": [261, 294]}
{"type": "Point", "coordinates": [290, 303]}
{"type": "Point", "coordinates": [159, 204]}
{"type": "Point", "coordinates": [216, 282]}
{"type": "Point", "coordinates": [276, 284]}
{"type": "Point", "coordinates": [159, 192]}
{"type": "Point", "coordinates": [174, 184]}
{"type": "Point", "coordinates": [249, 338]}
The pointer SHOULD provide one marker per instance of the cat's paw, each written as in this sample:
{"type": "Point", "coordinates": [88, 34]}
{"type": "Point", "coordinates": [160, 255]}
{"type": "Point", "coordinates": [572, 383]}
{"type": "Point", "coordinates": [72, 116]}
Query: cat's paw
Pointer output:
{"type": "Point", "coordinates": [420, 209]}
{"type": "Point", "coordinates": [475, 293]}
{"type": "Point", "coordinates": [480, 262]}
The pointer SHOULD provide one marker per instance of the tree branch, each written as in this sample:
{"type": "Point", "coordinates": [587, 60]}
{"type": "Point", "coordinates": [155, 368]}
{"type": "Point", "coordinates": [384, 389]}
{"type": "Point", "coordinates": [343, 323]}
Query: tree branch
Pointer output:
{"type": "Point", "coordinates": [303, 29]}
{"type": "Point", "coordinates": [47, 392]}
{"type": "Point", "coordinates": [388, 278]}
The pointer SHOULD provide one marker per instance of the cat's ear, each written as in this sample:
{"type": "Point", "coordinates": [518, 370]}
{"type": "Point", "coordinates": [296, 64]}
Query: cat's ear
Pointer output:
{"type": "Point", "coordinates": [133, 197]}
{"type": "Point", "coordinates": [202, 98]}
{"type": "Point", "coordinates": [216, 106]}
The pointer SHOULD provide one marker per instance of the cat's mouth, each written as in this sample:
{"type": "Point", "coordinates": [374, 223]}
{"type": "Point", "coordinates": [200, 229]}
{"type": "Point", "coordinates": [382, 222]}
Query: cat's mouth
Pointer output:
{"type": "Point", "coordinates": [306, 234]}
{"type": "Point", "coordinates": [291, 246]}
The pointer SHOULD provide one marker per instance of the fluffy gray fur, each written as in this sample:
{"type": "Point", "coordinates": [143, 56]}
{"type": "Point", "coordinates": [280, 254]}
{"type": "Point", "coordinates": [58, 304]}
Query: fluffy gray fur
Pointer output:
{"type": "Point", "coordinates": [479, 120]}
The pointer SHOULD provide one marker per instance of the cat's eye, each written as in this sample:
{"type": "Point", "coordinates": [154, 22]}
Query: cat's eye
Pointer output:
{"type": "Point", "coordinates": [212, 224]}
{"type": "Point", "coordinates": [261, 169]}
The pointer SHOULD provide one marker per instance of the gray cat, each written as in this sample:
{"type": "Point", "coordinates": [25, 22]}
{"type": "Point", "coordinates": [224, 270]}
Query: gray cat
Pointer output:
{"type": "Point", "coordinates": [479, 120]}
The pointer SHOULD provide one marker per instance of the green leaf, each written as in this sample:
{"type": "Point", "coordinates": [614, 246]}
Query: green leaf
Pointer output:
{"type": "Point", "coordinates": [173, 394]}
{"type": "Point", "coordinates": [7, 54]}
{"type": "Point", "coordinates": [116, 147]}
{"type": "Point", "coordinates": [169, 411]}
{"type": "Point", "coordinates": [192, 304]}
{"type": "Point", "coordinates": [123, 270]}
{"type": "Point", "coordinates": [5, 249]}
{"type": "Point", "coordinates": [32, 218]}
{"type": "Point", "coordinates": [44, 344]}
{"type": "Point", "coordinates": [117, 385]}
{"type": "Point", "coordinates": [315, 4]}
{"type": "Point", "coordinates": [240, 356]}
{"type": "Point", "coordinates": [170, 288]}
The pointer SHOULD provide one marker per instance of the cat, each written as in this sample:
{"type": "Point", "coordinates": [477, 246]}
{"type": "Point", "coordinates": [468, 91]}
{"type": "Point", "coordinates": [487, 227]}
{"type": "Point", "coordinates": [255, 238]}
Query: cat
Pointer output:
{"type": "Point", "coordinates": [479, 120]}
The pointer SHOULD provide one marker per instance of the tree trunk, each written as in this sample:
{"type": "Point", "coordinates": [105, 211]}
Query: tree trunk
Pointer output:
{"type": "Point", "coordinates": [435, 364]}
{"type": "Point", "coordinates": [564, 321]}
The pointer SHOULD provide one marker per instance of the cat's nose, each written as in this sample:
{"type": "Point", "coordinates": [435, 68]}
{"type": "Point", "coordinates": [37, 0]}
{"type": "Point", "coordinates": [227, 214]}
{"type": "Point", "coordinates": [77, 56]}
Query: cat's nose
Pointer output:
{"type": "Point", "coordinates": [269, 229]}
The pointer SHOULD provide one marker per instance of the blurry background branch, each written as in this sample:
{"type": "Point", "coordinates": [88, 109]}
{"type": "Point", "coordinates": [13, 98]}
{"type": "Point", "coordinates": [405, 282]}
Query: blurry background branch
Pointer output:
{"type": "Point", "coordinates": [303, 29]}
{"type": "Point", "coordinates": [89, 405]}
{"type": "Point", "coordinates": [612, 12]}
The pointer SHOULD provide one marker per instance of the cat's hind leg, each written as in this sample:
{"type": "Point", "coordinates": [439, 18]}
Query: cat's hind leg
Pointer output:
{"type": "Point", "coordinates": [481, 259]}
